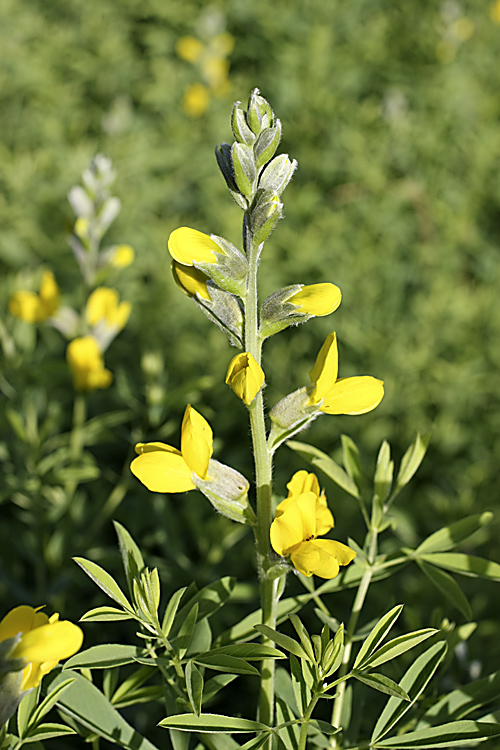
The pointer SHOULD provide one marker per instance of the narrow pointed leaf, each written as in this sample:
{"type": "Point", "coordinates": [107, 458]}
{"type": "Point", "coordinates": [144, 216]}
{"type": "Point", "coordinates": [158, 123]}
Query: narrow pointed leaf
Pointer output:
{"type": "Point", "coordinates": [284, 641]}
{"type": "Point", "coordinates": [222, 663]}
{"type": "Point", "coordinates": [212, 724]}
{"type": "Point", "coordinates": [105, 582]}
{"type": "Point", "coordinates": [105, 614]}
{"type": "Point", "coordinates": [383, 684]}
{"type": "Point", "coordinates": [183, 638]}
{"type": "Point", "coordinates": [448, 537]}
{"type": "Point", "coordinates": [467, 565]}
{"type": "Point", "coordinates": [378, 634]}
{"type": "Point", "coordinates": [104, 656]}
{"type": "Point", "coordinates": [48, 731]}
{"type": "Point", "coordinates": [463, 701]}
{"type": "Point", "coordinates": [412, 460]}
{"type": "Point", "coordinates": [170, 611]}
{"type": "Point", "coordinates": [303, 635]}
{"type": "Point", "coordinates": [247, 651]}
{"type": "Point", "coordinates": [194, 686]}
{"type": "Point", "coordinates": [454, 734]}
{"type": "Point", "coordinates": [49, 701]}
{"type": "Point", "coordinates": [352, 460]}
{"type": "Point", "coordinates": [396, 647]}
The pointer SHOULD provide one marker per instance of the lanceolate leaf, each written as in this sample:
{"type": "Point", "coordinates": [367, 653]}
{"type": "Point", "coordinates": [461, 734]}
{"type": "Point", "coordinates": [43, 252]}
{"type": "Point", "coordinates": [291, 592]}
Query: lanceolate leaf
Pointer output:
{"type": "Point", "coordinates": [446, 736]}
{"type": "Point", "coordinates": [223, 663]}
{"type": "Point", "coordinates": [449, 536]}
{"type": "Point", "coordinates": [463, 701]}
{"type": "Point", "coordinates": [194, 686]}
{"type": "Point", "coordinates": [284, 641]}
{"type": "Point", "coordinates": [210, 598]}
{"type": "Point", "coordinates": [383, 684]}
{"type": "Point", "coordinates": [414, 683]}
{"type": "Point", "coordinates": [212, 723]}
{"type": "Point", "coordinates": [104, 656]}
{"type": "Point", "coordinates": [104, 581]}
{"type": "Point", "coordinates": [377, 635]}
{"type": "Point", "coordinates": [412, 460]}
{"type": "Point", "coordinates": [170, 611]}
{"type": "Point", "coordinates": [467, 565]}
{"type": "Point", "coordinates": [105, 614]}
{"type": "Point", "coordinates": [247, 651]}
{"type": "Point", "coordinates": [448, 587]}
{"type": "Point", "coordinates": [396, 647]}
{"type": "Point", "coordinates": [352, 460]}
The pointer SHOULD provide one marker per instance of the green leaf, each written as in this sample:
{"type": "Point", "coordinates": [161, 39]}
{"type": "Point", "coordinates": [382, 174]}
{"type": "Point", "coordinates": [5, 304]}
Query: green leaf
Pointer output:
{"type": "Point", "coordinates": [414, 683]}
{"type": "Point", "coordinates": [384, 472]}
{"type": "Point", "coordinates": [26, 708]}
{"type": "Point", "coordinates": [467, 565]}
{"type": "Point", "coordinates": [303, 635]}
{"type": "Point", "coordinates": [463, 701]}
{"type": "Point", "coordinates": [284, 641]}
{"type": "Point", "coordinates": [325, 727]}
{"type": "Point", "coordinates": [448, 587]}
{"type": "Point", "coordinates": [256, 742]}
{"type": "Point", "coordinates": [104, 581]}
{"type": "Point", "coordinates": [209, 598]}
{"type": "Point", "coordinates": [104, 656]}
{"type": "Point", "coordinates": [85, 704]}
{"type": "Point", "coordinates": [48, 703]}
{"type": "Point", "coordinates": [383, 684]}
{"type": "Point", "coordinates": [183, 638]}
{"type": "Point", "coordinates": [223, 663]}
{"type": "Point", "coordinates": [327, 465]}
{"type": "Point", "coordinates": [48, 731]}
{"type": "Point", "coordinates": [247, 651]}
{"type": "Point", "coordinates": [245, 630]}
{"type": "Point", "coordinates": [212, 723]}
{"type": "Point", "coordinates": [170, 611]}
{"type": "Point", "coordinates": [215, 684]}
{"type": "Point", "coordinates": [194, 686]}
{"type": "Point", "coordinates": [105, 614]}
{"type": "Point", "coordinates": [454, 734]}
{"type": "Point", "coordinates": [129, 552]}
{"type": "Point", "coordinates": [300, 687]}
{"type": "Point", "coordinates": [449, 536]}
{"type": "Point", "coordinates": [377, 634]}
{"type": "Point", "coordinates": [396, 647]}
{"type": "Point", "coordinates": [352, 461]}
{"type": "Point", "coordinates": [151, 694]}
{"type": "Point", "coordinates": [289, 733]}
{"type": "Point", "coordinates": [412, 460]}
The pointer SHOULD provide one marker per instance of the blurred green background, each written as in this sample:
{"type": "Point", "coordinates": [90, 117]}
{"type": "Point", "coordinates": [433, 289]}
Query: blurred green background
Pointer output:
{"type": "Point", "coordinates": [393, 113]}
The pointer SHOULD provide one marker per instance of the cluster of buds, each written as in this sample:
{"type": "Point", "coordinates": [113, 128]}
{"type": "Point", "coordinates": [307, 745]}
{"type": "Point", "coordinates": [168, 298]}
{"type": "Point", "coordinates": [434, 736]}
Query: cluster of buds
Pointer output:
{"type": "Point", "coordinates": [90, 331]}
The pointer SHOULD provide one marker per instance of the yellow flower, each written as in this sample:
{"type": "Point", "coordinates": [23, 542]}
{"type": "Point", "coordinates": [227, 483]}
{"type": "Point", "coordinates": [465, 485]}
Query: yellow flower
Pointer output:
{"type": "Point", "coordinates": [190, 280]}
{"type": "Point", "coordinates": [294, 534]}
{"type": "Point", "coordinates": [35, 308]}
{"type": "Point", "coordinates": [162, 468]}
{"type": "Point", "coordinates": [317, 299]}
{"type": "Point", "coordinates": [195, 101]}
{"type": "Point", "coordinates": [188, 246]}
{"type": "Point", "coordinates": [122, 256]}
{"type": "Point", "coordinates": [44, 641]}
{"type": "Point", "coordinates": [189, 48]}
{"type": "Point", "coordinates": [495, 12]}
{"type": "Point", "coordinates": [356, 395]}
{"type": "Point", "coordinates": [87, 364]}
{"type": "Point", "coordinates": [103, 305]}
{"type": "Point", "coordinates": [303, 482]}
{"type": "Point", "coordinates": [245, 376]}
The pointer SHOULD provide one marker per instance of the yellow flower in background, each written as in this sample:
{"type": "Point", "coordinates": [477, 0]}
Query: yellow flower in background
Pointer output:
{"type": "Point", "coordinates": [356, 395]}
{"type": "Point", "coordinates": [44, 641]}
{"type": "Point", "coordinates": [302, 482]}
{"type": "Point", "coordinates": [245, 376]}
{"type": "Point", "coordinates": [188, 246]}
{"type": "Point", "coordinates": [189, 48]}
{"type": "Point", "coordinates": [190, 280]}
{"type": "Point", "coordinates": [162, 468]}
{"type": "Point", "coordinates": [195, 100]}
{"type": "Point", "coordinates": [294, 534]}
{"type": "Point", "coordinates": [317, 299]}
{"type": "Point", "coordinates": [35, 308]}
{"type": "Point", "coordinates": [104, 305]}
{"type": "Point", "coordinates": [122, 256]}
{"type": "Point", "coordinates": [495, 12]}
{"type": "Point", "coordinates": [86, 362]}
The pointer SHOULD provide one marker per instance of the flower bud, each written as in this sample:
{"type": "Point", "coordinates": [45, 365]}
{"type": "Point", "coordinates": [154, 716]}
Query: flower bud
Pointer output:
{"type": "Point", "coordinates": [259, 114]}
{"type": "Point", "coordinates": [243, 168]}
{"type": "Point", "coordinates": [266, 144]}
{"type": "Point", "coordinates": [245, 376]}
{"type": "Point", "coordinates": [264, 217]}
{"type": "Point", "coordinates": [190, 280]}
{"type": "Point", "coordinates": [227, 490]}
{"type": "Point", "coordinates": [277, 174]}
{"type": "Point", "coordinates": [223, 156]}
{"type": "Point", "coordinates": [241, 131]}
{"type": "Point", "coordinates": [296, 304]}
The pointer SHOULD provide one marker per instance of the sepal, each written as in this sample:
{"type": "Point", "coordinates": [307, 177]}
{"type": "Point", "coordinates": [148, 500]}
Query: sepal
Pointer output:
{"type": "Point", "coordinates": [230, 270]}
{"type": "Point", "coordinates": [277, 174]}
{"type": "Point", "coordinates": [227, 490]}
{"type": "Point", "coordinates": [291, 415]}
{"type": "Point", "coordinates": [264, 216]}
{"type": "Point", "coordinates": [277, 313]}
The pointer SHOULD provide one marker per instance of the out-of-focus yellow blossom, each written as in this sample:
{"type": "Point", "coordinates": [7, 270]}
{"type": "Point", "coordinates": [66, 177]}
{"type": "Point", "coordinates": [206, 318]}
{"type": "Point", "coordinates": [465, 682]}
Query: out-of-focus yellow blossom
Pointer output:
{"type": "Point", "coordinates": [189, 48]}
{"type": "Point", "coordinates": [188, 246]}
{"type": "Point", "coordinates": [495, 12]}
{"type": "Point", "coordinates": [245, 376]}
{"type": "Point", "coordinates": [35, 308]}
{"type": "Point", "coordinates": [44, 641]}
{"type": "Point", "coordinates": [122, 257]}
{"type": "Point", "coordinates": [223, 44]}
{"type": "Point", "coordinates": [86, 362]}
{"type": "Point", "coordinates": [190, 280]}
{"type": "Point", "coordinates": [162, 468]}
{"type": "Point", "coordinates": [302, 482]}
{"type": "Point", "coordinates": [216, 71]}
{"type": "Point", "coordinates": [82, 227]}
{"type": "Point", "coordinates": [294, 533]}
{"type": "Point", "coordinates": [104, 305]}
{"type": "Point", "coordinates": [195, 100]}
{"type": "Point", "coordinates": [356, 395]}
{"type": "Point", "coordinates": [317, 299]}
{"type": "Point", "coordinates": [462, 29]}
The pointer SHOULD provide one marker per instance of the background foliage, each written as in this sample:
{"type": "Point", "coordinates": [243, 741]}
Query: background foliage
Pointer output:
{"type": "Point", "coordinates": [393, 114]}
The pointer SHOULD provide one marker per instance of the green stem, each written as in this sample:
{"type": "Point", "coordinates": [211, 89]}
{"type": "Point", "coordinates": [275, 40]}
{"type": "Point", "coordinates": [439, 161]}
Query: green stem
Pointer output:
{"type": "Point", "coordinates": [263, 481]}
{"type": "Point", "coordinates": [351, 629]}
{"type": "Point", "coordinates": [305, 722]}
{"type": "Point", "coordinates": [76, 441]}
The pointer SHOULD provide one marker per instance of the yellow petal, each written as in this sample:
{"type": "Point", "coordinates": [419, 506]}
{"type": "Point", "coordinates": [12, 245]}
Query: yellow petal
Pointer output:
{"type": "Point", "coordinates": [317, 299]}
{"type": "Point", "coordinates": [356, 395]}
{"type": "Point", "coordinates": [149, 447]}
{"type": "Point", "coordinates": [49, 294]}
{"type": "Point", "coordinates": [188, 246]}
{"type": "Point", "coordinates": [190, 280]}
{"type": "Point", "coordinates": [195, 100]}
{"type": "Point", "coordinates": [162, 471]}
{"type": "Point", "coordinates": [26, 306]}
{"type": "Point", "coordinates": [321, 557]}
{"type": "Point", "coordinates": [20, 620]}
{"type": "Point", "coordinates": [324, 517]}
{"type": "Point", "coordinates": [326, 368]}
{"type": "Point", "coordinates": [190, 49]}
{"type": "Point", "coordinates": [196, 441]}
{"type": "Point", "coordinates": [295, 525]}
{"type": "Point", "coordinates": [123, 256]}
{"type": "Point", "coordinates": [50, 642]}
{"type": "Point", "coordinates": [100, 303]}
{"type": "Point", "coordinates": [86, 362]}
{"type": "Point", "coordinates": [245, 376]}
{"type": "Point", "coordinates": [303, 481]}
